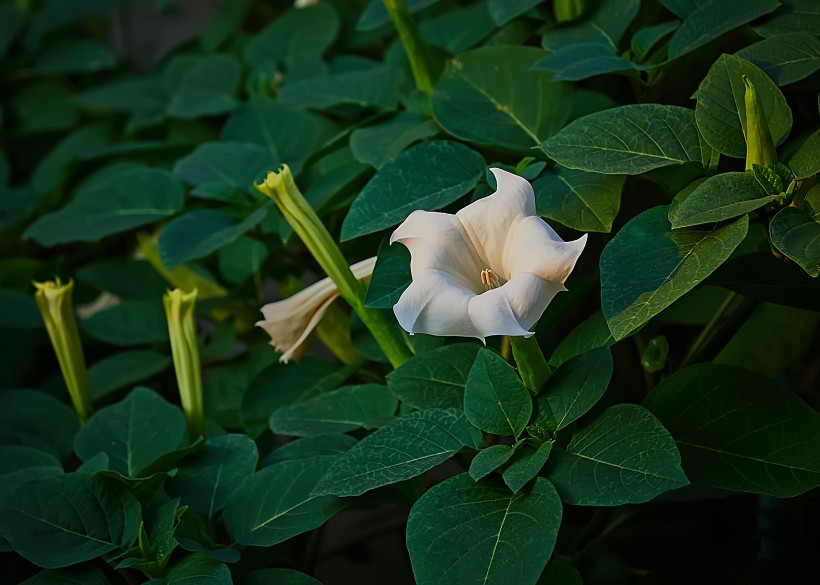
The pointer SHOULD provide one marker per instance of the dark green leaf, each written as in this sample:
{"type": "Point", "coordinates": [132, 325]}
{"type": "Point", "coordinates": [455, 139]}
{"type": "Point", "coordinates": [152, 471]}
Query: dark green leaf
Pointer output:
{"type": "Point", "coordinates": [428, 176]}
{"type": "Point", "coordinates": [85, 575]}
{"type": "Point", "coordinates": [54, 167]}
{"type": "Point", "coordinates": [586, 202]}
{"type": "Point", "coordinates": [18, 310]}
{"type": "Point", "coordinates": [242, 259]}
{"type": "Point", "coordinates": [797, 234]}
{"type": "Point", "coordinates": [278, 576]}
{"type": "Point", "coordinates": [583, 60]}
{"type": "Point", "coordinates": [377, 87]}
{"type": "Point", "coordinates": [503, 11]}
{"type": "Point", "coordinates": [405, 448]}
{"type": "Point", "coordinates": [627, 140]}
{"type": "Point", "coordinates": [129, 323]}
{"type": "Point", "coordinates": [36, 419]}
{"type": "Point", "coordinates": [674, 262]}
{"type": "Point", "coordinates": [794, 16]}
{"type": "Point", "coordinates": [488, 460]}
{"type": "Point", "coordinates": [459, 29]}
{"type": "Point", "coordinates": [375, 15]}
{"type": "Point", "coordinates": [786, 58]}
{"type": "Point", "coordinates": [806, 161]}
{"type": "Point", "coordinates": [133, 433]}
{"type": "Point", "coordinates": [200, 569]}
{"type": "Point", "coordinates": [390, 277]}
{"type": "Point", "coordinates": [19, 465]}
{"type": "Point", "coordinates": [11, 21]}
{"type": "Point", "coordinates": [467, 532]}
{"type": "Point", "coordinates": [525, 465]}
{"type": "Point", "coordinates": [220, 170]}
{"type": "Point", "coordinates": [717, 198]}
{"type": "Point", "coordinates": [333, 444]}
{"type": "Point", "coordinates": [44, 107]}
{"type": "Point", "coordinates": [740, 431]}
{"type": "Point", "coordinates": [495, 399]}
{"type": "Point", "coordinates": [202, 85]}
{"type": "Point", "coordinates": [588, 335]}
{"type": "Point", "coordinates": [623, 456]}
{"type": "Point", "coordinates": [378, 144]}
{"type": "Point", "coordinates": [124, 369]}
{"type": "Point", "coordinates": [646, 38]}
{"type": "Point", "coordinates": [75, 56]}
{"type": "Point", "coordinates": [127, 278]}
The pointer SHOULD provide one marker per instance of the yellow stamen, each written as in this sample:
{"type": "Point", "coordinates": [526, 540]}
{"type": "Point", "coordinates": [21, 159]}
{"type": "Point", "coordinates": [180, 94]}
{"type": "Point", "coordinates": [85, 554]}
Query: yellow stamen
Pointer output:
{"type": "Point", "coordinates": [489, 279]}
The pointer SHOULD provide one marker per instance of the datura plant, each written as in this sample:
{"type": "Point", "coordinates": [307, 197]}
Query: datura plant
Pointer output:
{"type": "Point", "coordinates": [279, 292]}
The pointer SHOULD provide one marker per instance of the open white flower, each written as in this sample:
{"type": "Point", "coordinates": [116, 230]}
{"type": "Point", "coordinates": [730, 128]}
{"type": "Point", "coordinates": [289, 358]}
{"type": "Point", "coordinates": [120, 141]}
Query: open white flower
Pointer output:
{"type": "Point", "coordinates": [490, 269]}
{"type": "Point", "coordinates": [289, 322]}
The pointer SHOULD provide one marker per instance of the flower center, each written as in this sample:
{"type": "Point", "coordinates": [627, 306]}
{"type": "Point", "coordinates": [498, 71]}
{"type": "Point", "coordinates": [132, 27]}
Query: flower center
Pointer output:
{"type": "Point", "coordinates": [489, 279]}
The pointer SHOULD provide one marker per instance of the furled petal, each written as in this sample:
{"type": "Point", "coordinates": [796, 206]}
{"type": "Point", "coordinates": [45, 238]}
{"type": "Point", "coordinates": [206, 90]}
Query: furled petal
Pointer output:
{"type": "Point", "coordinates": [514, 307]}
{"type": "Point", "coordinates": [289, 322]}
{"type": "Point", "coordinates": [438, 240]}
{"type": "Point", "coordinates": [535, 247]}
{"type": "Point", "coordinates": [436, 303]}
{"type": "Point", "coordinates": [489, 221]}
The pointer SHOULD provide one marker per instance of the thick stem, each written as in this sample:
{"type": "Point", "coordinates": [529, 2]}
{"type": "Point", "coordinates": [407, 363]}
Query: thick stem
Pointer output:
{"type": "Point", "coordinates": [531, 363]}
{"type": "Point", "coordinates": [417, 49]}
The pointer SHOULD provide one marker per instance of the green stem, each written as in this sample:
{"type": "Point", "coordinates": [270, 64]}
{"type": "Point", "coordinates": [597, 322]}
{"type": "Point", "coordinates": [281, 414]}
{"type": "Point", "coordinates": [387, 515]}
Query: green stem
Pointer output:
{"type": "Point", "coordinates": [417, 49]}
{"type": "Point", "coordinates": [721, 327]}
{"type": "Point", "coordinates": [532, 365]}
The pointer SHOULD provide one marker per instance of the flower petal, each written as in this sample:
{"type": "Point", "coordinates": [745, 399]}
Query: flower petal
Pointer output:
{"type": "Point", "coordinates": [535, 247]}
{"type": "Point", "coordinates": [514, 307]}
{"type": "Point", "coordinates": [489, 221]}
{"type": "Point", "coordinates": [438, 240]}
{"type": "Point", "coordinates": [436, 303]}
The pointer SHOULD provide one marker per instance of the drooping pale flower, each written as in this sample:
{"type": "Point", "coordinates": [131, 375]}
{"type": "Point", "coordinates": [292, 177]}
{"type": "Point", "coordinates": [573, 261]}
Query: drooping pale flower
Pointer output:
{"type": "Point", "coordinates": [289, 322]}
{"type": "Point", "coordinates": [490, 269]}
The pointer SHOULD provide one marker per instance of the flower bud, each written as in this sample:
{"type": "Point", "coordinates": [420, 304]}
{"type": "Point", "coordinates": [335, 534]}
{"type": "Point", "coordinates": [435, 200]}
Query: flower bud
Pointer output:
{"type": "Point", "coordinates": [759, 144]}
{"type": "Point", "coordinates": [179, 310]}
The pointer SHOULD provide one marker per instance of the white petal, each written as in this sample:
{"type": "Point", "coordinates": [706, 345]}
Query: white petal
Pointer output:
{"type": "Point", "coordinates": [436, 303]}
{"type": "Point", "coordinates": [535, 247]}
{"type": "Point", "coordinates": [489, 221]}
{"type": "Point", "coordinates": [364, 269]}
{"type": "Point", "coordinates": [438, 240]}
{"type": "Point", "coordinates": [514, 307]}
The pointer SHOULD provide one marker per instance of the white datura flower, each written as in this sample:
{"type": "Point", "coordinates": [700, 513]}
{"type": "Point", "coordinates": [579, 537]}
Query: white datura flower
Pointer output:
{"type": "Point", "coordinates": [289, 322]}
{"type": "Point", "coordinates": [490, 269]}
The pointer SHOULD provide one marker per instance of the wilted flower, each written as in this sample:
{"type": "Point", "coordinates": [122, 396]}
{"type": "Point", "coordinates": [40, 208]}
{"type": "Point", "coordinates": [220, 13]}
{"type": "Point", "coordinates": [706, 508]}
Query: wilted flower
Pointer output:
{"type": "Point", "coordinates": [490, 269]}
{"type": "Point", "coordinates": [289, 322]}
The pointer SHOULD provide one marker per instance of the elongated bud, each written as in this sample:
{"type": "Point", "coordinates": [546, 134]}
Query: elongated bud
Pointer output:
{"type": "Point", "coordinates": [567, 10]}
{"type": "Point", "coordinates": [417, 50]}
{"type": "Point", "coordinates": [532, 366]}
{"type": "Point", "coordinates": [54, 300]}
{"type": "Point", "coordinates": [181, 276]}
{"type": "Point", "coordinates": [759, 144]}
{"type": "Point", "coordinates": [179, 310]}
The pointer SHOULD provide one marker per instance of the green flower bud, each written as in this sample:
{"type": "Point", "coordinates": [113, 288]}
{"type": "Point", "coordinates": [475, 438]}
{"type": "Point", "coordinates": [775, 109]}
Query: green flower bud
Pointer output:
{"type": "Point", "coordinates": [759, 144]}
{"type": "Point", "coordinates": [179, 310]}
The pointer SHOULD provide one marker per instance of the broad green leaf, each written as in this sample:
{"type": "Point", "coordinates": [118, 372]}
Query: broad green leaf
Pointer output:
{"type": "Point", "coordinates": [785, 58]}
{"type": "Point", "coordinates": [116, 199]}
{"type": "Point", "coordinates": [278, 576]}
{"type": "Point", "coordinates": [378, 144]}
{"type": "Point", "coordinates": [12, 18]}
{"type": "Point", "coordinates": [488, 460]}
{"type": "Point", "coordinates": [588, 335]}
{"type": "Point", "coordinates": [645, 39]}
{"type": "Point", "coordinates": [495, 398]}
{"type": "Point", "coordinates": [627, 140]}
{"type": "Point", "coordinates": [224, 24]}
{"type": "Point", "coordinates": [220, 170]}
{"type": "Point", "coordinates": [683, 8]}
{"type": "Point", "coordinates": [279, 502]}
{"type": "Point", "coordinates": [207, 479]}
{"type": "Point", "coordinates": [511, 107]}
{"type": "Point", "coordinates": [586, 202]}
{"type": "Point", "coordinates": [573, 389]}
{"type": "Point", "coordinates": [36, 419]}
{"type": "Point", "coordinates": [18, 310]}
{"type": "Point", "coordinates": [198, 233]}
{"type": "Point", "coordinates": [466, 532]}
{"type": "Point", "coordinates": [390, 277]}
{"type": "Point", "coordinates": [198, 568]}
{"type": "Point", "coordinates": [202, 85]}
{"type": "Point", "coordinates": [376, 15]}
{"type": "Point", "coordinates": [75, 56]}
{"type": "Point", "coordinates": [739, 430]}
{"type": "Point", "coordinates": [47, 521]}
{"type": "Point", "coordinates": [428, 176]}
{"type": "Point", "coordinates": [129, 323]}
{"type": "Point", "coordinates": [242, 259]}
{"type": "Point", "coordinates": [459, 29]}
{"type": "Point", "coordinates": [124, 369]}
{"type": "Point", "coordinates": [44, 107]}
{"type": "Point", "coordinates": [19, 465]}
{"type": "Point", "coordinates": [525, 465]}
{"type": "Point", "coordinates": [721, 107]}
{"type": "Point", "coordinates": [403, 449]}
{"type": "Point", "coordinates": [794, 16]}
{"type": "Point", "coordinates": [712, 19]}
{"type": "Point", "coordinates": [54, 168]}
{"type": "Point", "coordinates": [503, 11]}
{"type": "Point", "coordinates": [144, 98]}
{"type": "Point", "coordinates": [797, 235]}
{"type": "Point", "coordinates": [720, 197]}
{"type": "Point", "coordinates": [319, 445]}
{"type": "Point", "coordinates": [577, 61]}
{"type": "Point", "coordinates": [435, 379]}
{"type": "Point", "coordinates": [127, 278]}
{"type": "Point", "coordinates": [623, 456]}
{"type": "Point", "coordinates": [674, 261]}
{"type": "Point", "coordinates": [338, 411]}
{"type": "Point", "coordinates": [133, 433]}
{"type": "Point", "coordinates": [806, 161]}
{"type": "Point", "coordinates": [377, 88]}
{"type": "Point", "coordinates": [83, 575]}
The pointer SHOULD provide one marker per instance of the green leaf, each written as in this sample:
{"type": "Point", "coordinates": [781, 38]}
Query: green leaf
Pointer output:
{"type": "Point", "coordinates": [319, 445]}
{"type": "Point", "coordinates": [378, 144]}
{"type": "Point", "coordinates": [390, 277]}
{"type": "Point", "coordinates": [376, 87]}
{"type": "Point", "coordinates": [794, 16]}
{"type": "Point", "coordinates": [488, 460]}
{"type": "Point", "coordinates": [220, 170]}
{"type": "Point", "coordinates": [623, 456]}
{"type": "Point", "coordinates": [435, 379]}
{"type": "Point", "coordinates": [116, 199]}
{"type": "Point", "coordinates": [200, 569]}
{"type": "Point", "coordinates": [279, 502]}
{"type": "Point", "coordinates": [85, 575]}
{"type": "Point", "coordinates": [721, 107]}
{"type": "Point", "coordinates": [19, 465]}
{"type": "Point", "coordinates": [712, 19]}
{"type": "Point", "coordinates": [405, 448]}
{"type": "Point", "coordinates": [503, 11]}
{"type": "Point", "coordinates": [588, 335]}
{"type": "Point", "coordinates": [627, 140]}
{"type": "Point", "coordinates": [797, 234]}
{"type": "Point", "coordinates": [18, 310]}
{"type": "Point", "coordinates": [525, 465]}
{"type": "Point", "coordinates": [376, 15]}
{"type": "Point", "coordinates": [224, 24]}
{"type": "Point", "coordinates": [785, 58]}
{"type": "Point", "coordinates": [675, 261]}
{"type": "Point", "coordinates": [339, 411]}
{"type": "Point", "coordinates": [242, 259]}
{"type": "Point", "coordinates": [207, 479]}
{"type": "Point", "coordinates": [586, 202]}
{"type": "Point", "coordinates": [768, 180]}
{"type": "Point", "coordinates": [278, 576]}
{"type": "Point", "coordinates": [806, 161]}
{"type": "Point", "coordinates": [467, 532]}
{"type": "Point", "coordinates": [577, 61]}
{"type": "Point", "coordinates": [573, 390]}
{"type": "Point", "coordinates": [129, 323]}
{"type": "Point", "coordinates": [53, 169]}
{"type": "Point", "coordinates": [133, 433]}
{"type": "Point", "coordinates": [460, 28]}
{"type": "Point", "coordinates": [144, 98]}
{"type": "Point", "coordinates": [75, 56]}
{"type": "Point", "coordinates": [202, 85]}
{"type": "Point", "coordinates": [717, 198]}
{"type": "Point", "coordinates": [645, 39]}
{"type": "Point", "coordinates": [740, 431]}
{"type": "Point", "coordinates": [514, 111]}
{"type": "Point", "coordinates": [127, 278]}
{"type": "Point", "coordinates": [36, 419]}
{"type": "Point", "coordinates": [495, 399]}
{"type": "Point", "coordinates": [11, 21]}
{"type": "Point", "coordinates": [428, 176]}
{"type": "Point", "coordinates": [199, 233]}
{"type": "Point", "coordinates": [44, 107]}
{"type": "Point", "coordinates": [124, 369]}
{"type": "Point", "coordinates": [46, 521]}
